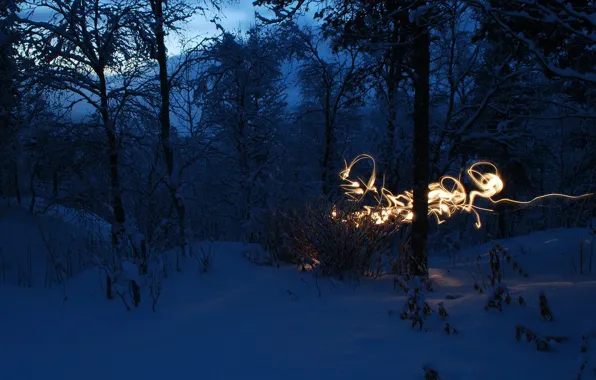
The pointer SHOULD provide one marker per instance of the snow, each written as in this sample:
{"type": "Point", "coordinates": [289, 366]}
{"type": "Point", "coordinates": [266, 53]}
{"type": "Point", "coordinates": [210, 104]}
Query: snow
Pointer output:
{"type": "Point", "coordinates": [243, 321]}
{"type": "Point", "coordinates": [130, 271]}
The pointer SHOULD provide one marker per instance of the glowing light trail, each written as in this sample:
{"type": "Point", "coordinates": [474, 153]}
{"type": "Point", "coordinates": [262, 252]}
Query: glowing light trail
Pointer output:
{"type": "Point", "coordinates": [445, 197]}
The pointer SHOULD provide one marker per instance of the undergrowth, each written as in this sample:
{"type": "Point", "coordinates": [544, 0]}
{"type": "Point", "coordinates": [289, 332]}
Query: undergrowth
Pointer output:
{"type": "Point", "coordinates": [330, 239]}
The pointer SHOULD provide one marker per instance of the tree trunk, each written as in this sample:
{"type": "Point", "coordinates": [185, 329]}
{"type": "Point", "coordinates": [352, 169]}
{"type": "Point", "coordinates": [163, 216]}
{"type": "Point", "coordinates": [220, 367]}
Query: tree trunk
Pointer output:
{"type": "Point", "coordinates": [115, 195]}
{"type": "Point", "coordinates": [391, 161]}
{"type": "Point", "coordinates": [393, 78]}
{"type": "Point", "coordinates": [55, 184]}
{"type": "Point", "coordinates": [328, 151]}
{"type": "Point", "coordinates": [421, 61]}
{"type": "Point", "coordinates": [17, 179]}
{"type": "Point", "coordinates": [165, 123]}
{"type": "Point", "coordinates": [110, 130]}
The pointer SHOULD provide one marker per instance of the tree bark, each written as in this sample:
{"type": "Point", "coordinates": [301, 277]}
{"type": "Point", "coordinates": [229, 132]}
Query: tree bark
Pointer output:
{"type": "Point", "coordinates": [392, 79]}
{"type": "Point", "coordinates": [115, 194]}
{"type": "Point", "coordinates": [165, 122]}
{"type": "Point", "coordinates": [421, 61]}
{"type": "Point", "coordinates": [110, 130]}
{"type": "Point", "coordinates": [329, 142]}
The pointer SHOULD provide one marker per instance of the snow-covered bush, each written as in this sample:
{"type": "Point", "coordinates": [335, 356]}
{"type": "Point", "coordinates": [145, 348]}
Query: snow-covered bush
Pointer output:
{"type": "Point", "coordinates": [493, 284]}
{"type": "Point", "coordinates": [415, 308]}
{"type": "Point", "coordinates": [430, 373]}
{"type": "Point", "coordinates": [584, 361]}
{"type": "Point", "coordinates": [330, 238]}
{"type": "Point", "coordinates": [203, 254]}
{"type": "Point", "coordinates": [274, 237]}
{"type": "Point", "coordinates": [541, 341]}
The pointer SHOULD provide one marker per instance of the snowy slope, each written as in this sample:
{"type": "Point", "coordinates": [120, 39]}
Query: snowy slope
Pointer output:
{"type": "Point", "coordinates": [32, 246]}
{"type": "Point", "coordinates": [242, 321]}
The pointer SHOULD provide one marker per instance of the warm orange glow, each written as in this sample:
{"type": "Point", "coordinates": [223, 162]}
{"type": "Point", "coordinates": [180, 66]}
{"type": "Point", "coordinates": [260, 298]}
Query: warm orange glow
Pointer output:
{"type": "Point", "coordinates": [445, 197]}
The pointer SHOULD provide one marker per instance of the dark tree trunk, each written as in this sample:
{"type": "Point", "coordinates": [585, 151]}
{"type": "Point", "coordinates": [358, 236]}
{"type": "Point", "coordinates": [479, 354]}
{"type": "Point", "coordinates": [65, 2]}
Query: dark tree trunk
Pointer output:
{"type": "Point", "coordinates": [55, 184]}
{"type": "Point", "coordinates": [17, 179]}
{"type": "Point", "coordinates": [396, 54]}
{"type": "Point", "coordinates": [110, 130]}
{"type": "Point", "coordinates": [8, 95]}
{"type": "Point", "coordinates": [165, 123]}
{"type": "Point", "coordinates": [421, 62]}
{"type": "Point", "coordinates": [115, 195]}
{"type": "Point", "coordinates": [391, 161]}
{"type": "Point", "coordinates": [328, 151]}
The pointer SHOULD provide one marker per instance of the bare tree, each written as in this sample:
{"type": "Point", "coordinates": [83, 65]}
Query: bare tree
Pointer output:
{"type": "Point", "coordinates": [245, 102]}
{"type": "Point", "coordinates": [332, 87]}
{"type": "Point", "coordinates": [160, 18]}
{"type": "Point", "coordinates": [559, 35]}
{"type": "Point", "coordinates": [77, 49]}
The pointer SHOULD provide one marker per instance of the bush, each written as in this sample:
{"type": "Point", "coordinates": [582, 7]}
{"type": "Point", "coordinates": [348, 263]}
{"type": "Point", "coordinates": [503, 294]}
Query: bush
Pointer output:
{"type": "Point", "coordinates": [332, 239]}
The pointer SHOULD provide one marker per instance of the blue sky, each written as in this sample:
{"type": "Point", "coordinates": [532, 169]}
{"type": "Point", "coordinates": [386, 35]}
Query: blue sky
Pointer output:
{"type": "Point", "coordinates": [238, 15]}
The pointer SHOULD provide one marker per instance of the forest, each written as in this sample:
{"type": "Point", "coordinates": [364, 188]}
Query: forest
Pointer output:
{"type": "Point", "coordinates": [352, 140]}
{"type": "Point", "coordinates": [155, 137]}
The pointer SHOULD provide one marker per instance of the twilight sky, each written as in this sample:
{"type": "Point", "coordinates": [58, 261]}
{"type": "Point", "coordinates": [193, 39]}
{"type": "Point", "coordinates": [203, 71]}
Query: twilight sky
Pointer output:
{"type": "Point", "coordinates": [237, 14]}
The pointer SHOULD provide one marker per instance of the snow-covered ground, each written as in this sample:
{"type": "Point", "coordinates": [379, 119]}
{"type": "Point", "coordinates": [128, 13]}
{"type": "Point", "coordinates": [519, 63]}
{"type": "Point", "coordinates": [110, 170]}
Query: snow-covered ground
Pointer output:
{"type": "Point", "coordinates": [243, 321]}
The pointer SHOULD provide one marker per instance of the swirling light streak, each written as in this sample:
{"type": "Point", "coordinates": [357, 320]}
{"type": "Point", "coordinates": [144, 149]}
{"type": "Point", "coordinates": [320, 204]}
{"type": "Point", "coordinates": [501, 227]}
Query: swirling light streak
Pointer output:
{"type": "Point", "coordinates": [445, 197]}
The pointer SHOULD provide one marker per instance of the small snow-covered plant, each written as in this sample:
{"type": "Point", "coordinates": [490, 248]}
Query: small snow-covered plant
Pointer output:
{"type": "Point", "coordinates": [519, 331]}
{"type": "Point", "coordinates": [497, 295]}
{"type": "Point", "coordinates": [583, 357]}
{"type": "Point", "coordinates": [441, 310]}
{"type": "Point", "coordinates": [452, 242]}
{"type": "Point", "coordinates": [449, 329]}
{"type": "Point", "coordinates": [401, 262]}
{"type": "Point", "coordinates": [156, 273]}
{"type": "Point", "coordinates": [478, 277]}
{"type": "Point", "coordinates": [25, 270]}
{"type": "Point", "coordinates": [521, 301]}
{"type": "Point", "coordinates": [126, 284]}
{"type": "Point", "coordinates": [203, 254]}
{"type": "Point", "coordinates": [3, 267]}
{"type": "Point", "coordinates": [582, 260]}
{"type": "Point", "coordinates": [59, 260]}
{"type": "Point", "coordinates": [592, 233]}
{"type": "Point", "coordinates": [415, 308]}
{"type": "Point", "coordinates": [545, 311]}
{"type": "Point", "coordinates": [274, 237]}
{"type": "Point", "coordinates": [542, 342]}
{"type": "Point", "coordinates": [493, 284]}
{"type": "Point", "coordinates": [121, 274]}
{"type": "Point", "coordinates": [497, 255]}
{"type": "Point", "coordinates": [497, 292]}
{"type": "Point", "coordinates": [430, 373]}
{"type": "Point", "coordinates": [155, 285]}
{"type": "Point", "coordinates": [495, 264]}
{"type": "Point", "coordinates": [257, 255]}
